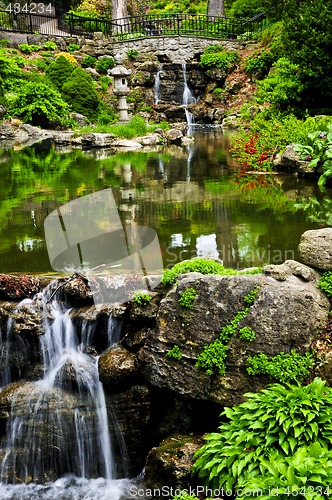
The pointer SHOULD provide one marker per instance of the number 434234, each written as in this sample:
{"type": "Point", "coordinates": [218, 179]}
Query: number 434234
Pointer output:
{"type": "Point", "coordinates": [30, 8]}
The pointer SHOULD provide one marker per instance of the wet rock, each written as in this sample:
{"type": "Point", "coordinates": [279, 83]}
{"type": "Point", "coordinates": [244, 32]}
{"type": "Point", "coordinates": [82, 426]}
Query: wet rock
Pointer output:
{"type": "Point", "coordinates": [279, 318]}
{"type": "Point", "coordinates": [117, 368]}
{"type": "Point", "coordinates": [75, 292]}
{"type": "Point", "coordinates": [315, 248]}
{"type": "Point", "coordinates": [171, 462]}
{"type": "Point", "coordinates": [18, 287]}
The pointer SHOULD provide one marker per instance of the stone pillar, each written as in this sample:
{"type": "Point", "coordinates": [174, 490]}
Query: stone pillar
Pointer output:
{"type": "Point", "coordinates": [121, 89]}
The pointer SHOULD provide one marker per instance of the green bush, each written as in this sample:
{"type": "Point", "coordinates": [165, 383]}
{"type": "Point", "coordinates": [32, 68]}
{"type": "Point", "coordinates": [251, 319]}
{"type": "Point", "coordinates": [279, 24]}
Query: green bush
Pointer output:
{"type": "Point", "coordinates": [216, 56]}
{"type": "Point", "coordinates": [199, 265]}
{"type": "Point", "coordinates": [284, 367]}
{"type": "Point", "coordinates": [283, 86]}
{"type": "Point", "coordinates": [88, 61]}
{"type": "Point", "coordinates": [72, 47]}
{"type": "Point", "coordinates": [50, 45]}
{"type": "Point", "coordinates": [270, 424]}
{"type": "Point", "coordinates": [104, 64]}
{"type": "Point", "coordinates": [259, 64]}
{"type": "Point", "coordinates": [9, 67]}
{"type": "Point", "coordinates": [80, 92]}
{"type": "Point", "coordinates": [41, 105]}
{"type": "Point", "coordinates": [245, 10]}
{"type": "Point", "coordinates": [59, 71]}
{"type": "Point", "coordinates": [132, 54]}
{"type": "Point", "coordinates": [27, 49]}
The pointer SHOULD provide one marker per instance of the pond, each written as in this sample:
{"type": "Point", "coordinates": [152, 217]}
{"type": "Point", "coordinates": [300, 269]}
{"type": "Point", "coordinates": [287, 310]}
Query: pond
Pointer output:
{"type": "Point", "coordinates": [192, 197]}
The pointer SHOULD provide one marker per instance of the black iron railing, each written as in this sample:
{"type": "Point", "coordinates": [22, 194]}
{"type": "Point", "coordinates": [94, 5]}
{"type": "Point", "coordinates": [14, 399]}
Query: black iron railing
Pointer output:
{"type": "Point", "coordinates": [136, 26]}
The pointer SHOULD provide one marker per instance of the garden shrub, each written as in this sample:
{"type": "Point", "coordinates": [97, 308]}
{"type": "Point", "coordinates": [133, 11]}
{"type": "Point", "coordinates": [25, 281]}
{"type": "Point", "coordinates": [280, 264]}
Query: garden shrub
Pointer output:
{"type": "Point", "coordinates": [70, 58]}
{"type": "Point", "coordinates": [271, 424]}
{"type": "Point", "coordinates": [282, 87]}
{"type": "Point", "coordinates": [9, 67]}
{"type": "Point", "coordinates": [59, 71]}
{"type": "Point", "coordinates": [259, 63]}
{"type": "Point", "coordinates": [216, 56]}
{"type": "Point", "coordinates": [88, 61]}
{"type": "Point", "coordinates": [27, 49]}
{"type": "Point", "coordinates": [80, 92]}
{"type": "Point", "coordinates": [41, 105]}
{"type": "Point", "coordinates": [104, 64]}
{"type": "Point", "coordinates": [50, 45]}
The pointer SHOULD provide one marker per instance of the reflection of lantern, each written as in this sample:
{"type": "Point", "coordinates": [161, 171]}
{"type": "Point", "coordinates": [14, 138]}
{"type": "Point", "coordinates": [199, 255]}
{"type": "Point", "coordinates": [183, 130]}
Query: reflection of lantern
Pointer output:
{"type": "Point", "coordinates": [121, 90]}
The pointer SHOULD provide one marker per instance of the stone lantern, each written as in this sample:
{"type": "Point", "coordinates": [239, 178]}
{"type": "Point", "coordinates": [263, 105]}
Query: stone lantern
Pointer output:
{"type": "Point", "coordinates": [121, 90]}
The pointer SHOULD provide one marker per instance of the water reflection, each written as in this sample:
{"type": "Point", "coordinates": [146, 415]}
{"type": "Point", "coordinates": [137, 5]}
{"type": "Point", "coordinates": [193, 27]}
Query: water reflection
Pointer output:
{"type": "Point", "coordinates": [188, 195]}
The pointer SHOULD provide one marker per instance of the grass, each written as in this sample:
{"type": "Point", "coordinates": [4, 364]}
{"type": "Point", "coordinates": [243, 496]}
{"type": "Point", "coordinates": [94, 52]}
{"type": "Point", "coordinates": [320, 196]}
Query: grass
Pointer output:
{"type": "Point", "coordinates": [136, 127]}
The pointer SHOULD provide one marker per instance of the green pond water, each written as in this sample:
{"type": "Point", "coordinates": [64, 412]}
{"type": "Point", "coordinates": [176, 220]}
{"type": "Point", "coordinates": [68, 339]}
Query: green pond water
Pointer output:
{"type": "Point", "coordinates": [192, 197]}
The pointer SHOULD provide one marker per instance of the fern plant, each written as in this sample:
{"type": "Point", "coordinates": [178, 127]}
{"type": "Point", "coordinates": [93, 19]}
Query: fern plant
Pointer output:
{"type": "Point", "coordinates": [273, 422]}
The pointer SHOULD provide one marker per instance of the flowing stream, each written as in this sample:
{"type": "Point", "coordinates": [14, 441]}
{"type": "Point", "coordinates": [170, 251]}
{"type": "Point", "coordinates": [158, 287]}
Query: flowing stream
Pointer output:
{"type": "Point", "coordinates": [58, 438]}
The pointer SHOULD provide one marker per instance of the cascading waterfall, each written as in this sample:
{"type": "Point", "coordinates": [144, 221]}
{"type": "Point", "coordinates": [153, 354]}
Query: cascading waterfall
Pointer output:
{"type": "Point", "coordinates": [157, 85]}
{"type": "Point", "coordinates": [187, 98]}
{"type": "Point", "coordinates": [58, 434]}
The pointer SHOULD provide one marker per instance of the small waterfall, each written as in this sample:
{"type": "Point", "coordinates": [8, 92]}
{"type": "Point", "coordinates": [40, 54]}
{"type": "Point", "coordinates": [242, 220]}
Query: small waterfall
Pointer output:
{"type": "Point", "coordinates": [59, 424]}
{"type": "Point", "coordinates": [157, 85]}
{"type": "Point", "coordinates": [187, 98]}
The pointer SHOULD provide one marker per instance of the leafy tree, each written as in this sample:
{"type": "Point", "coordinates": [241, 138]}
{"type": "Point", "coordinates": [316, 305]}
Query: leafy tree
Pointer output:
{"type": "Point", "coordinates": [244, 9]}
{"type": "Point", "coordinates": [39, 104]}
{"type": "Point", "coordinates": [80, 92]}
{"type": "Point", "coordinates": [307, 39]}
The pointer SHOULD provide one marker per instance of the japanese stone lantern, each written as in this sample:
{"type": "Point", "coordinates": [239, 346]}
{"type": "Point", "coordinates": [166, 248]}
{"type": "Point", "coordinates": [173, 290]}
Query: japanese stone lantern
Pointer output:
{"type": "Point", "coordinates": [121, 89]}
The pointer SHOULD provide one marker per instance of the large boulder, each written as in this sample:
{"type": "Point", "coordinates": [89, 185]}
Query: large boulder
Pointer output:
{"type": "Point", "coordinates": [117, 367]}
{"type": "Point", "coordinates": [170, 464]}
{"type": "Point", "coordinates": [315, 248]}
{"type": "Point", "coordinates": [279, 317]}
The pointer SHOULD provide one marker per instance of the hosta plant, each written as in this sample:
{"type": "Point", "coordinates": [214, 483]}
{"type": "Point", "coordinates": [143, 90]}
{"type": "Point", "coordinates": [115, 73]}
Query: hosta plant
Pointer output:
{"type": "Point", "coordinates": [305, 475]}
{"type": "Point", "coordinates": [318, 151]}
{"type": "Point", "coordinates": [273, 422]}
